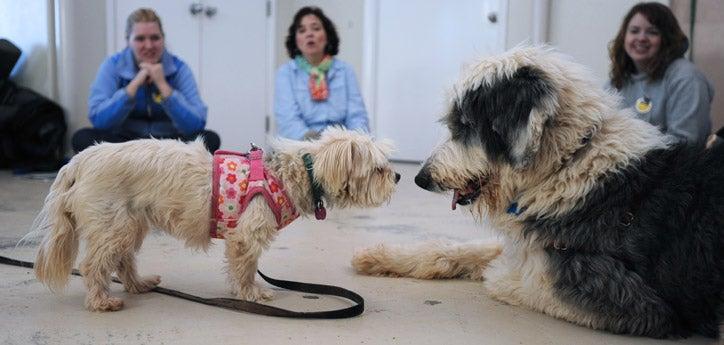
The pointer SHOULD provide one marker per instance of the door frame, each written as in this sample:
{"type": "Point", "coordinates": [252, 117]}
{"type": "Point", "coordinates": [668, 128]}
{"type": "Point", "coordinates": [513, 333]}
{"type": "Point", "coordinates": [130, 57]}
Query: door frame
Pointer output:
{"type": "Point", "coordinates": [271, 53]}
{"type": "Point", "coordinates": [369, 59]}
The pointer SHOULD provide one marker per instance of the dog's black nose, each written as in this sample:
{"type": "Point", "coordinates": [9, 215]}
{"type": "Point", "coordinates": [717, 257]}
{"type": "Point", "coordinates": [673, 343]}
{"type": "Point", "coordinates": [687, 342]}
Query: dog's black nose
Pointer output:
{"type": "Point", "coordinates": [423, 179]}
{"type": "Point", "coordinates": [397, 177]}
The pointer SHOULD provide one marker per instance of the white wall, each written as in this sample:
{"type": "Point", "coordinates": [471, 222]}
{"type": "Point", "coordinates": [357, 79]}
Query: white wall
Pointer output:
{"type": "Point", "coordinates": [82, 48]}
{"type": "Point", "coordinates": [584, 29]}
{"type": "Point", "coordinates": [29, 25]}
{"type": "Point", "coordinates": [520, 23]}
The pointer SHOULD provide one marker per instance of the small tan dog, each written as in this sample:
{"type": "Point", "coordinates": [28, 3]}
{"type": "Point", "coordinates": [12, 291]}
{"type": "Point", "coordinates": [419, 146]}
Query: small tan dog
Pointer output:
{"type": "Point", "coordinates": [111, 195]}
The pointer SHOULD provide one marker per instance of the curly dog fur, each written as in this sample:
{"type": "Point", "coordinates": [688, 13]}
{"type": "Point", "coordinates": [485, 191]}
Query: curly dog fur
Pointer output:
{"type": "Point", "coordinates": [605, 221]}
{"type": "Point", "coordinates": [111, 195]}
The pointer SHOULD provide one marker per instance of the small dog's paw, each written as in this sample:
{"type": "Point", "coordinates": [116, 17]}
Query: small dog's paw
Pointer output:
{"type": "Point", "coordinates": [254, 293]}
{"type": "Point", "coordinates": [104, 304]}
{"type": "Point", "coordinates": [372, 261]}
{"type": "Point", "coordinates": [145, 285]}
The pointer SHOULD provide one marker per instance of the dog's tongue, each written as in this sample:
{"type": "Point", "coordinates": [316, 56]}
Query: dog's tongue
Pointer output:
{"type": "Point", "coordinates": [456, 196]}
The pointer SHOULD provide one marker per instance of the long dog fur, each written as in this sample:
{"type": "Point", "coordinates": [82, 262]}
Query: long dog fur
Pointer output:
{"type": "Point", "coordinates": [112, 195]}
{"type": "Point", "coordinates": [605, 221]}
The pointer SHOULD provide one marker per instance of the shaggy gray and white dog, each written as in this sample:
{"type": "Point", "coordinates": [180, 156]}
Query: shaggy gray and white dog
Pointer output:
{"type": "Point", "coordinates": [112, 195]}
{"type": "Point", "coordinates": [605, 221]}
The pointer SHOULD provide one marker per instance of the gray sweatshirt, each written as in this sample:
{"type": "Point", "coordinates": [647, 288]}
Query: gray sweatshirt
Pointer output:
{"type": "Point", "coordinates": [679, 103]}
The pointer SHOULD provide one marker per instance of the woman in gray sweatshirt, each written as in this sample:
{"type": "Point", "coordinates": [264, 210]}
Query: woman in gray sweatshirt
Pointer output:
{"type": "Point", "coordinates": [649, 71]}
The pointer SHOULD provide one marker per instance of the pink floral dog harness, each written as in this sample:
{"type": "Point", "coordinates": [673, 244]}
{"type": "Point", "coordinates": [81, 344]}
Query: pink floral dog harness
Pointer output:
{"type": "Point", "coordinates": [237, 178]}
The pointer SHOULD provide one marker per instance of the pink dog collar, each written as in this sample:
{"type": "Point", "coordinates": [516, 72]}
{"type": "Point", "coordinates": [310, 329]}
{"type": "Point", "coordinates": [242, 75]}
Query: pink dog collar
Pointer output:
{"type": "Point", "coordinates": [238, 177]}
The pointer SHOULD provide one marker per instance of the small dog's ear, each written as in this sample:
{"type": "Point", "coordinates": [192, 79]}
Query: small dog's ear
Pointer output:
{"type": "Point", "coordinates": [334, 163]}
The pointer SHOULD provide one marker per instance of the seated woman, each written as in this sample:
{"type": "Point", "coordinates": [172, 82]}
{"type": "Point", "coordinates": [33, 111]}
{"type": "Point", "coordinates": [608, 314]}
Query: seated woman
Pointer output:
{"type": "Point", "coordinates": [315, 90]}
{"type": "Point", "coordinates": [650, 72]}
{"type": "Point", "coordinates": [144, 91]}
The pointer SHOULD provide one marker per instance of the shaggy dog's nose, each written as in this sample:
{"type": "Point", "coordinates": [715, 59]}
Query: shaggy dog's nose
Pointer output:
{"type": "Point", "coordinates": [423, 179]}
{"type": "Point", "coordinates": [397, 177]}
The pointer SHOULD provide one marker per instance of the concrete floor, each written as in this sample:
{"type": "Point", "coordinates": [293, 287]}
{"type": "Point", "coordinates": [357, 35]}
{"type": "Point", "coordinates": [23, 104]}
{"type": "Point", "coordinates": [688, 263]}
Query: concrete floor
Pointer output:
{"type": "Point", "coordinates": [398, 311]}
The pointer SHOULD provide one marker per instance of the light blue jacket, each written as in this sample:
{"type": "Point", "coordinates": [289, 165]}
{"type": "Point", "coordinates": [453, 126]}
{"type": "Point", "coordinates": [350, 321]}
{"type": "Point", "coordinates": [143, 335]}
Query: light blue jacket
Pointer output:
{"type": "Point", "coordinates": [110, 107]}
{"type": "Point", "coordinates": [296, 112]}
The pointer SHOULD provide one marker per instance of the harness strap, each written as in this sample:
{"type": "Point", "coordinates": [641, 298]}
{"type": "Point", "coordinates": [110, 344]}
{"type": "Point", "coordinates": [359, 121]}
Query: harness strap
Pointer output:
{"type": "Point", "coordinates": [253, 307]}
{"type": "Point", "coordinates": [256, 168]}
{"type": "Point", "coordinates": [244, 177]}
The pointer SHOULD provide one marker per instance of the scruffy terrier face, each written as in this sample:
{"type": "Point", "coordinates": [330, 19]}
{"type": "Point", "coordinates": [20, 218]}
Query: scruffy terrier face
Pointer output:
{"type": "Point", "coordinates": [353, 169]}
{"type": "Point", "coordinates": [496, 119]}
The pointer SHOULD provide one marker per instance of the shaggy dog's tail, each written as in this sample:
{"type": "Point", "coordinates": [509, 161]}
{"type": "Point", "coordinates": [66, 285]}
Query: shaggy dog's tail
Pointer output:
{"type": "Point", "coordinates": [59, 247]}
{"type": "Point", "coordinates": [433, 260]}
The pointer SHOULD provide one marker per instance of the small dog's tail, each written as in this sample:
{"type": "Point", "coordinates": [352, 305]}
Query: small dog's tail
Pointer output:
{"type": "Point", "coordinates": [59, 246]}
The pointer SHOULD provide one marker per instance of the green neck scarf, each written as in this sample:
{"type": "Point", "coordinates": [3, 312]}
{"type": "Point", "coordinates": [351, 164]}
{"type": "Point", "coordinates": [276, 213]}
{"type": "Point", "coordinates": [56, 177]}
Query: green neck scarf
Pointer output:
{"type": "Point", "coordinates": [317, 76]}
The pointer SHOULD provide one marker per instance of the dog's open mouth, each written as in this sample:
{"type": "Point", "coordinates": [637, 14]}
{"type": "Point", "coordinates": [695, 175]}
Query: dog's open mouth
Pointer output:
{"type": "Point", "coordinates": [467, 195]}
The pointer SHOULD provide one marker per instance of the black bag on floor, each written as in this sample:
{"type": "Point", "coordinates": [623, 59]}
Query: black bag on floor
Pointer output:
{"type": "Point", "coordinates": [9, 56]}
{"type": "Point", "coordinates": [32, 130]}
{"type": "Point", "coordinates": [32, 127]}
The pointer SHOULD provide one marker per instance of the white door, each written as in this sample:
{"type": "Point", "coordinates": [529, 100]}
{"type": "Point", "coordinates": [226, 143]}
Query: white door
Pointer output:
{"type": "Point", "coordinates": [224, 42]}
{"type": "Point", "coordinates": [422, 45]}
{"type": "Point", "coordinates": [234, 71]}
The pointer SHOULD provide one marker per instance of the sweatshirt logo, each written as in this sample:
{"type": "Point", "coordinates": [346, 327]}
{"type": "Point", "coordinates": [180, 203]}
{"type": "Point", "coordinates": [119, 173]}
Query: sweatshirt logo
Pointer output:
{"type": "Point", "coordinates": [643, 105]}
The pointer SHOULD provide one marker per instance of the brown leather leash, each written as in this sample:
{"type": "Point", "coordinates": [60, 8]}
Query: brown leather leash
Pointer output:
{"type": "Point", "coordinates": [253, 307]}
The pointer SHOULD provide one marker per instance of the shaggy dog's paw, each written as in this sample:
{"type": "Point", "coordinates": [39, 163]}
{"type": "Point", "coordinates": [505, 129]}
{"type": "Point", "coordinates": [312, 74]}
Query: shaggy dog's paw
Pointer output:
{"type": "Point", "coordinates": [373, 261]}
{"type": "Point", "coordinates": [145, 285]}
{"type": "Point", "coordinates": [104, 304]}
{"type": "Point", "coordinates": [254, 293]}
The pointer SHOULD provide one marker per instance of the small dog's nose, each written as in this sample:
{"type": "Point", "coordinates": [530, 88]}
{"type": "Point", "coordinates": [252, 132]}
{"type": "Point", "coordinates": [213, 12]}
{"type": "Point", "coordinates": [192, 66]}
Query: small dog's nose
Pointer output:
{"type": "Point", "coordinates": [397, 177]}
{"type": "Point", "coordinates": [423, 179]}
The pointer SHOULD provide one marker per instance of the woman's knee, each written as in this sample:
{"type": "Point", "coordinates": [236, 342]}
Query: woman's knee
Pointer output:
{"type": "Point", "coordinates": [83, 138]}
{"type": "Point", "coordinates": [211, 140]}
{"type": "Point", "coordinates": [86, 137]}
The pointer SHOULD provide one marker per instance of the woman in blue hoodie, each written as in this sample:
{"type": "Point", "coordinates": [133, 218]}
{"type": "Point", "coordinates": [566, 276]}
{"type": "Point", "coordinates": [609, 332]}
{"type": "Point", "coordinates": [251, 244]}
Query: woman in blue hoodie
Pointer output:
{"type": "Point", "coordinates": [144, 91]}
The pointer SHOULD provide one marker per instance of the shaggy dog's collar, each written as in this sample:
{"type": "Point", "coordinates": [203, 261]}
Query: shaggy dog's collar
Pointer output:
{"type": "Point", "coordinates": [515, 210]}
{"type": "Point", "coordinates": [237, 178]}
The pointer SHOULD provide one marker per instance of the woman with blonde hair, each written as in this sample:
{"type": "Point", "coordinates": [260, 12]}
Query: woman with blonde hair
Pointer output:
{"type": "Point", "coordinates": [144, 91]}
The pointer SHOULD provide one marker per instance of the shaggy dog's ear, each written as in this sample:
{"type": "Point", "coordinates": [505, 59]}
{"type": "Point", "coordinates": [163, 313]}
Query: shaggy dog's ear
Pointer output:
{"type": "Point", "coordinates": [334, 163]}
{"type": "Point", "coordinates": [508, 116]}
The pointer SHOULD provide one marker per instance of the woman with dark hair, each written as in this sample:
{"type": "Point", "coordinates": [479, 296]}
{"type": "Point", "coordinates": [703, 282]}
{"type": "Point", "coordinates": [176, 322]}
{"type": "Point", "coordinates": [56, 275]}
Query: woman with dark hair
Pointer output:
{"type": "Point", "coordinates": [315, 90]}
{"type": "Point", "coordinates": [144, 91]}
{"type": "Point", "coordinates": [653, 77]}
